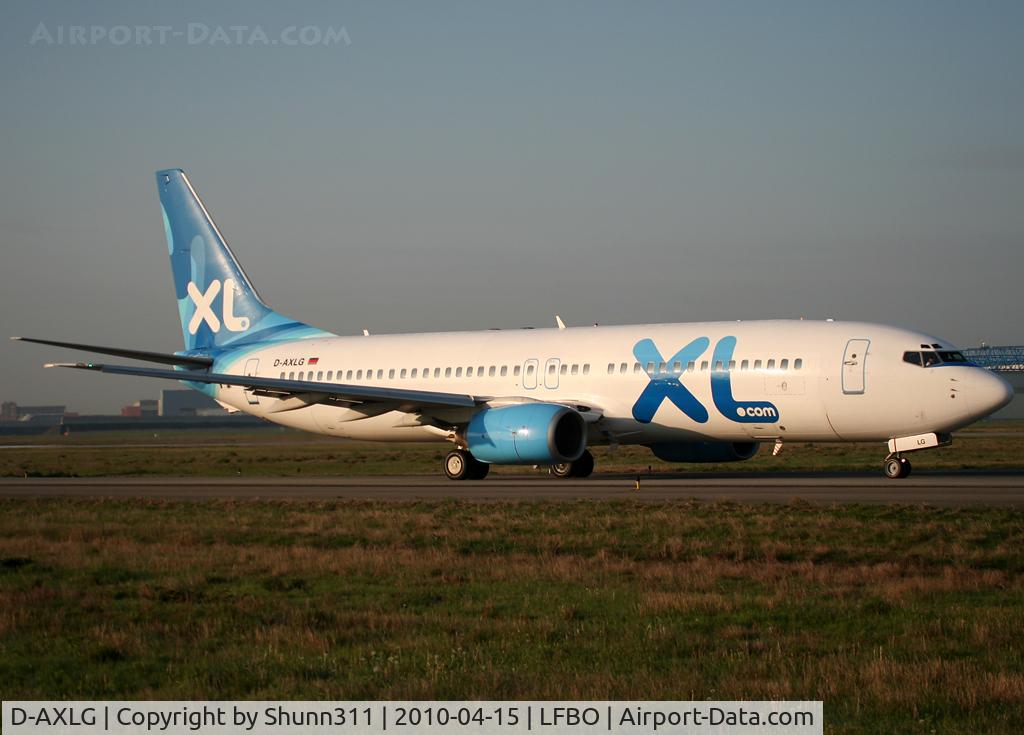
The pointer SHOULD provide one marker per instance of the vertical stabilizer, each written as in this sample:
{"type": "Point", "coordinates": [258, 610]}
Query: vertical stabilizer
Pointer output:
{"type": "Point", "coordinates": [217, 303]}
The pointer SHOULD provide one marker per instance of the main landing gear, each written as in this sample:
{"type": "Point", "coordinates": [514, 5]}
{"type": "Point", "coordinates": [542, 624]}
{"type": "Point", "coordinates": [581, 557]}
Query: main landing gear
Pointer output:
{"type": "Point", "coordinates": [896, 467]}
{"type": "Point", "coordinates": [582, 467]}
{"type": "Point", "coordinates": [461, 465]}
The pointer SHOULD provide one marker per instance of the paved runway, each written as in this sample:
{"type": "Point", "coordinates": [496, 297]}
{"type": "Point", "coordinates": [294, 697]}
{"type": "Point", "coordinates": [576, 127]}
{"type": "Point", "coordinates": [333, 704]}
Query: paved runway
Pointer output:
{"type": "Point", "coordinates": [1003, 489]}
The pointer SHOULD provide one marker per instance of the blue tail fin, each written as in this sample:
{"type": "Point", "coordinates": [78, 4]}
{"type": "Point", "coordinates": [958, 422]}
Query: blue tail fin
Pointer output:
{"type": "Point", "coordinates": [216, 301]}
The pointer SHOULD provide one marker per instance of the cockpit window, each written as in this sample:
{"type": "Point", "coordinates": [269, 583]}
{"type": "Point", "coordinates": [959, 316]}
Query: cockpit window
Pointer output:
{"type": "Point", "coordinates": [930, 358]}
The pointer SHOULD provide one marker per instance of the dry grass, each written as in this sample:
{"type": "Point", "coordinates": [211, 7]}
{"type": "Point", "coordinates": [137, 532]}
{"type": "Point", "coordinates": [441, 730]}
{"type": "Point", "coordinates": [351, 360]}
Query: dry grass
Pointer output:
{"type": "Point", "coordinates": [901, 619]}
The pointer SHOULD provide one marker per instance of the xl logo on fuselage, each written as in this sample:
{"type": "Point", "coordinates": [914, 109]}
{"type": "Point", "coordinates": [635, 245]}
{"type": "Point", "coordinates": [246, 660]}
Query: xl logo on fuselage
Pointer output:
{"type": "Point", "coordinates": [665, 384]}
{"type": "Point", "coordinates": [204, 307]}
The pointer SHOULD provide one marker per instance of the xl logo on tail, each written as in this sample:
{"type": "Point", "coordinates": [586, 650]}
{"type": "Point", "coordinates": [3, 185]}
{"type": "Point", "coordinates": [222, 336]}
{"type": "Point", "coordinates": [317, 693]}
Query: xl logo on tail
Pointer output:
{"type": "Point", "coordinates": [665, 383]}
{"type": "Point", "coordinates": [204, 307]}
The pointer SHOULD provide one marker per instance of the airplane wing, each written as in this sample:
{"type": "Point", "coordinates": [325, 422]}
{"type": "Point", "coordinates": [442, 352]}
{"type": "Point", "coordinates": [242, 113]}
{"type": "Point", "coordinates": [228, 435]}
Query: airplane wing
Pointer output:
{"type": "Point", "coordinates": [405, 400]}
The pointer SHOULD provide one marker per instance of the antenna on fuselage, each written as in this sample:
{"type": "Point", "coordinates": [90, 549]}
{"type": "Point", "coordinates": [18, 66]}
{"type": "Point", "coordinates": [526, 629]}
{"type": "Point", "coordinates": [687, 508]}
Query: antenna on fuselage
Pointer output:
{"type": "Point", "coordinates": [559, 322]}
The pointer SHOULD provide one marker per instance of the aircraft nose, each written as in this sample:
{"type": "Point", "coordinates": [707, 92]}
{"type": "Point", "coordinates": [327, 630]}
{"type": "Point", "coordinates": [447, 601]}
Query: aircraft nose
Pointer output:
{"type": "Point", "coordinates": [989, 392]}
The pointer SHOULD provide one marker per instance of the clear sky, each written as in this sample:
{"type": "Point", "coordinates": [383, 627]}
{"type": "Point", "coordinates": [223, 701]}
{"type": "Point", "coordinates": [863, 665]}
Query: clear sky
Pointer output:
{"type": "Point", "coordinates": [478, 164]}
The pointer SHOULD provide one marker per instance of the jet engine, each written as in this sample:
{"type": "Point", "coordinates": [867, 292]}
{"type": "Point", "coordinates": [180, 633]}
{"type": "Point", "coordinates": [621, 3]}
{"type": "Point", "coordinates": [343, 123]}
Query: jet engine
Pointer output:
{"type": "Point", "coordinates": [527, 433]}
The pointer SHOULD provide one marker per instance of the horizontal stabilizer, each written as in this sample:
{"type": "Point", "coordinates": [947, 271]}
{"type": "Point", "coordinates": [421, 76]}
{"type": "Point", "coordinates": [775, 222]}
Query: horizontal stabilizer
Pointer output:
{"type": "Point", "coordinates": [353, 393]}
{"type": "Point", "coordinates": [165, 358]}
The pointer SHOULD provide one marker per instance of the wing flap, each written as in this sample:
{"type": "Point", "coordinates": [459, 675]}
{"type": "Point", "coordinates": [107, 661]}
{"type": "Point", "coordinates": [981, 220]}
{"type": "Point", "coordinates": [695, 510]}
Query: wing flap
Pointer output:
{"type": "Point", "coordinates": [343, 392]}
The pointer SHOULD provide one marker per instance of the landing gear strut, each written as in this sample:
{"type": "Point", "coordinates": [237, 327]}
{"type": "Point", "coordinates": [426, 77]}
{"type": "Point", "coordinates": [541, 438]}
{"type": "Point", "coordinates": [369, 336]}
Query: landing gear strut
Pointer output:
{"type": "Point", "coordinates": [461, 465]}
{"type": "Point", "coordinates": [896, 467]}
{"type": "Point", "coordinates": [582, 467]}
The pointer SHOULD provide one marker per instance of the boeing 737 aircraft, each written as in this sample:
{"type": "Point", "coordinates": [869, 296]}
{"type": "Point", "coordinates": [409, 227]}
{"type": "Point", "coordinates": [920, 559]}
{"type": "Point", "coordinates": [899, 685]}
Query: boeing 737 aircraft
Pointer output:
{"type": "Point", "coordinates": [699, 392]}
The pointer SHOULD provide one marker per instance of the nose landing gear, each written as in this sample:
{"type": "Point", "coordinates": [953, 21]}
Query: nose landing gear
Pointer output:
{"type": "Point", "coordinates": [896, 467]}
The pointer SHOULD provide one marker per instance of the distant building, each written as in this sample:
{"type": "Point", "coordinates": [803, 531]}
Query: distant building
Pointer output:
{"type": "Point", "coordinates": [188, 403]}
{"type": "Point", "coordinates": [143, 407]}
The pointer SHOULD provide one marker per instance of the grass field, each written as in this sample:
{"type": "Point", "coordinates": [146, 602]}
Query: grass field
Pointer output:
{"type": "Point", "coordinates": [902, 619]}
{"type": "Point", "coordinates": [283, 453]}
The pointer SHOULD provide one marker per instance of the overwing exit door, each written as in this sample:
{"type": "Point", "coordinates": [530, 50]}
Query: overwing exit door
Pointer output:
{"type": "Point", "coordinates": [855, 366]}
{"type": "Point", "coordinates": [530, 373]}
{"type": "Point", "coordinates": [551, 373]}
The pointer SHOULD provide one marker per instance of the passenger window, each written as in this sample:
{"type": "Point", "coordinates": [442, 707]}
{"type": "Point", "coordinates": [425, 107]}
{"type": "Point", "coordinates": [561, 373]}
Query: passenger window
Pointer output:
{"type": "Point", "coordinates": [586, 368]}
{"type": "Point", "coordinates": [784, 364]}
{"type": "Point", "coordinates": [330, 375]}
{"type": "Point", "coordinates": [565, 368]}
{"type": "Point", "coordinates": [757, 364]}
{"type": "Point", "coordinates": [490, 371]}
{"type": "Point", "coordinates": [745, 365]}
{"type": "Point", "coordinates": [504, 370]}
{"type": "Point", "coordinates": [458, 372]}
{"type": "Point", "coordinates": [319, 374]}
{"type": "Point", "coordinates": [611, 368]}
{"type": "Point", "coordinates": [480, 371]}
{"type": "Point", "coordinates": [636, 367]}
{"type": "Point", "coordinates": [359, 375]}
{"type": "Point", "coordinates": [437, 372]}
{"type": "Point", "coordinates": [447, 372]}
{"type": "Point", "coordinates": [552, 369]}
{"type": "Point", "coordinates": [798, 363]}
{"type": "Point", "coordinates": [529, 369]}
{"type": "Point", "coordinates": [650, 367]}
{"type": "Point", "coordinates": [516, 370]}
{"type": "Point", "coordinates": [575, 369]}
{"type": "Point", "coordinates": [380, 373]}
{"type": "Point", "coordinates": [677, 367]}
{"type": "Point", "coordinates": [718, 366]}
{"type": "Point", "coordinates": [703, 365]}
{"type": "Point", "coordinates": [282, 376]}
{"type": "Point", "coordinates": [348, 375]}
{"type": "Point", "coordinates": [623, 367]}
{"type": "Point", "coordinates": [732, 364]}
{"type": "Point", "coordinates": [403, 373]}
{"type": "Point", "coordinates": [771, 364]}
{"type": "Point", "coordinates": [663, 367]}
{"type": "Point", "coordinates": [301, 373]}
{"type": "Point", "coordinates": [691, 366]}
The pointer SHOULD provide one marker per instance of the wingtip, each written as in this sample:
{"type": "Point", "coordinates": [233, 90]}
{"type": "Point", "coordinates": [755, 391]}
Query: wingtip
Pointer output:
{"type": "Point", "coordinates": [16, 339]}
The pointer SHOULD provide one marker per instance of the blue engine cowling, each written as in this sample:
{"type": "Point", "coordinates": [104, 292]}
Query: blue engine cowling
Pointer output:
{"type": "Point", "coordinates": [704, 451]}
{"type": "Point", "coordinates": [527, 433]}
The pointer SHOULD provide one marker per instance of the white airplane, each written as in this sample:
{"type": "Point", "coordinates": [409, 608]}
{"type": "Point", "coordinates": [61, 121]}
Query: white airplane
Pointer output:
{"type": "Point", "coordinates": [700, 392]}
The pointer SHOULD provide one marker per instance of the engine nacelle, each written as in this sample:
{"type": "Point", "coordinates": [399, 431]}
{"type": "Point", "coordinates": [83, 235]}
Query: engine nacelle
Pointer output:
{"type": "Point", "coordinates": [527, 433]}
{"type": "Point", "coordinates": [704, 451]}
